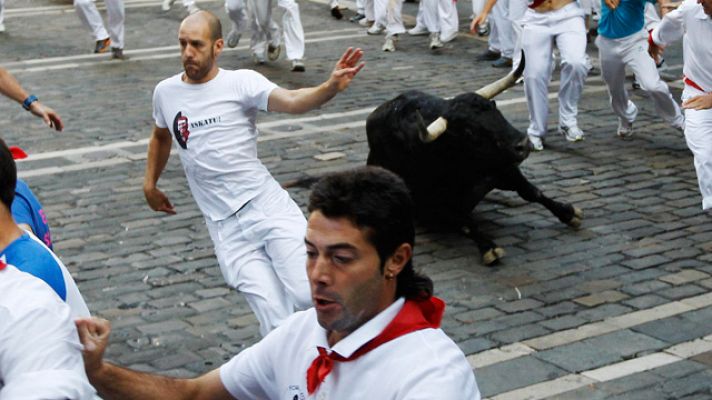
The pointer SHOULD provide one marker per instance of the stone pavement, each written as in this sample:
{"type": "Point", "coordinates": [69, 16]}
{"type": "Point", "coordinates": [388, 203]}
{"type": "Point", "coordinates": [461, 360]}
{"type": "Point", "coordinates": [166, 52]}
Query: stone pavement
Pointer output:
{"type": "Point", "coordinates": [617, 309]}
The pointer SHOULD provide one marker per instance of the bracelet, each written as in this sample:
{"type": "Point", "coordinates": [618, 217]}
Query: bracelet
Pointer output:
{"type": "Point", "coordinates": [28, 101]}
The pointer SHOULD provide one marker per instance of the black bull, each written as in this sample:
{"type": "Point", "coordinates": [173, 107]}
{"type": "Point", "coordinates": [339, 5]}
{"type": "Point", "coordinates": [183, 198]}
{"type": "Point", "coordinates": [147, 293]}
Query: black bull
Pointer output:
{"type": "Point", "coordinates": [478, 151]}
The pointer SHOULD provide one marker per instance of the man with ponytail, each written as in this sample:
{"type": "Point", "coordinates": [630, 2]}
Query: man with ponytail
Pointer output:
{"type": "Point", "coordinates": [373, 333]}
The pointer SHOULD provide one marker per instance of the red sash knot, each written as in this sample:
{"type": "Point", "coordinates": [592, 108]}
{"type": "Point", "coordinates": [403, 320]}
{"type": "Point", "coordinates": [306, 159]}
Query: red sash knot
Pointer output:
{"type": "Point", "coordinates": [414, 316]}
{"type": "Point", "coordinates": [2, 265]}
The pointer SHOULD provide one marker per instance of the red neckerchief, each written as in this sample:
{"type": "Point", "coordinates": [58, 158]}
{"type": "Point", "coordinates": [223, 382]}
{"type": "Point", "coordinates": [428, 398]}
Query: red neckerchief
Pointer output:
{"type": "Point", "coordinates": [17, 153]}
{"type": "Point", "coordinates": [414, 316]}
{"type": "Point", "coordinates": [2, 265]}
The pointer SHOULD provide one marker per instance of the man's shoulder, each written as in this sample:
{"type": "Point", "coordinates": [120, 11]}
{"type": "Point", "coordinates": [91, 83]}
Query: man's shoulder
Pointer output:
{"type": "Point", "coordinates": [171, 81]}
{"type": "Point", "coordinates": [21, 293]}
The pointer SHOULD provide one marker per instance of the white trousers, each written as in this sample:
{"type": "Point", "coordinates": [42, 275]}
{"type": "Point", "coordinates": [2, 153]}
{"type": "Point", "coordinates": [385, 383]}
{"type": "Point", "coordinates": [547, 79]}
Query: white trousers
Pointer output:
{"type": "Point", "coordinates": [501, 36]}
{"type": "Point", "coordinates": [438, 16]}
{"type": "Point", "coordinates": [387, 13]}
{"type": "Point", "coordinates": [632, 52]}
{"type": "Point", "coordinates": [565, 28]}
{"type": "Point", "coordinates": [265, 30]}
{"type": "Point", "coordinates": [261, 253]}
{"type": "Point", "coordinates": [237, 12]}
{"type": "Point", "coordinates": [698, 134]}
{"type": "Point", "coordinates": [652, 19]}
{"type": "Point", "coordinates": [90, 17]}
{"type": "Point", "coordinates": [517, 9]}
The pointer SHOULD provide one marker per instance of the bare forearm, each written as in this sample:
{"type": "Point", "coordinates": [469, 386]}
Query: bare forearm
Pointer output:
{"type": "Point", "coordinates": [306, 99]}
{"type": "Point", "coordinates": [116, 383]}
{"type": "Point", "coordinates": [159, 149]}
{"type": "Point", "coordinates": [10, 87]}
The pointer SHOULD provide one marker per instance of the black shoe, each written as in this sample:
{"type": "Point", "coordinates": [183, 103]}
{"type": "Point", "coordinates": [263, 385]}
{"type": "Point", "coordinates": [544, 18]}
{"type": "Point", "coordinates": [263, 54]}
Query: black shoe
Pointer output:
{"type": "Point", "coordinates": [118, 54]}
{"type": "Point", "coordinates": [489, 55]}
{"type": "Point", "coordinates": [336, 13]}
{"type": "Point", "coordinates": [357, 17]}
{"type": "Point", "coordinates": [503, 62]}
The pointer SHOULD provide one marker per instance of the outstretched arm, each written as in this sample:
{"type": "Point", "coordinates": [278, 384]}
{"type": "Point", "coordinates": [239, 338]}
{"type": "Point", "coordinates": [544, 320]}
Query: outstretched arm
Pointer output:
{"type": "Point", "coordinates": [302, 100]}
{"type": "Point", "coordinates": [114, 382]}
{"type": "Point", "coordinates": [12, 89]}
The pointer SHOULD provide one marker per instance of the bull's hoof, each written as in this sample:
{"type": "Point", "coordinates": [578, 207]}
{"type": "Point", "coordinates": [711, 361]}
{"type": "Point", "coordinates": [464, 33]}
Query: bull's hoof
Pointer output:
{"type": "Point", "coordinates": [575, 221]}
{"type": "Point", "coordinates": [492, 256]}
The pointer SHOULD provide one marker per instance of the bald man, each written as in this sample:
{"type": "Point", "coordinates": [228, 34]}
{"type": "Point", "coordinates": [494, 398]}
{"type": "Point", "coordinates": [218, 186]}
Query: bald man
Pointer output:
{"type": "Point", "coordinates": [257, 230]}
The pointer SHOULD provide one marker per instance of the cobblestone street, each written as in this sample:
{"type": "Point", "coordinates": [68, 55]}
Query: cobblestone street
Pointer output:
{"type": "Point", "coordinates": [618, 309]}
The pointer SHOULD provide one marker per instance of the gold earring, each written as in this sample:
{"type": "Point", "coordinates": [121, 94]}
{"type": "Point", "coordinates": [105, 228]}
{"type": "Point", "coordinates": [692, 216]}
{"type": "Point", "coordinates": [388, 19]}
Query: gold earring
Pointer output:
{"type": "Point", "coordinates": [389, 276]}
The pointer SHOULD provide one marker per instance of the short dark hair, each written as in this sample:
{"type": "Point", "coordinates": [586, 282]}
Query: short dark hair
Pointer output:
{"type": "Point", "coordinates": [377, 201]}
{"type": "Point", "coordinates": [8, 175]}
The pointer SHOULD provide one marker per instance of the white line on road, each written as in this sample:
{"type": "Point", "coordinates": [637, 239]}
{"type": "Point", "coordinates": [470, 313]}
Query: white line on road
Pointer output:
{"type": "Point", "coordinates": [542, 390]}
{"type": "Point", "coordinates": [151, 50]}
{"type": "Point", "coordinates": [152, 57]}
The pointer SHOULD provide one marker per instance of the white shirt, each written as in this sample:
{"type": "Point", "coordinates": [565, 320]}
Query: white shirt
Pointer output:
{"type": "Point", "coordinates": [424, 364]}
{"type": "Point", "coordinates": [690, 19]}
{"type": "Point", "coordinates": [38, 253]}
{"type": "Point", "coordinates": [40, 353]}
{"type": "Point", "coordinates": [213, 125]}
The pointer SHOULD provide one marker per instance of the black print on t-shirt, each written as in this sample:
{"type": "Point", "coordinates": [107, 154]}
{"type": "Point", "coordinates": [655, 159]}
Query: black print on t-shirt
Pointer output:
{"type": "Point", "coordinates": [180, 129]}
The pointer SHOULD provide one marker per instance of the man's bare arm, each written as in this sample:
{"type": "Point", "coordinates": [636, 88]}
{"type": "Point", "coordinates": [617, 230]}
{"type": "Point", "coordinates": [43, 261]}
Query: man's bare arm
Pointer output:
{"type": "Point", "coordinates": [159, 149]}
{"type": "Point", "coordinates": [114, 382]}
{"type": "Point", "coordinates": [302, 100]}
{"type": "Point", "coordinates": [11, 88]}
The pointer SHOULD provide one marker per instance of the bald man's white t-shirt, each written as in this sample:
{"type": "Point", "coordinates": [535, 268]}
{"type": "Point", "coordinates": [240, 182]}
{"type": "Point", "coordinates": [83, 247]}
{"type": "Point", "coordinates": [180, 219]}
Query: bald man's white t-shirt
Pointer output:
{"type": "Point", "coordinates": [214, 128]}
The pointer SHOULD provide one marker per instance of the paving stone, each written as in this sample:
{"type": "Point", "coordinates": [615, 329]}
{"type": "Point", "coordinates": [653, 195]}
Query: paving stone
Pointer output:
{"type": "Point", "coordinates": [608, 296]}
{"type": "Point", "coordinates": [599, 351]}
{"type": "Point", "coordinates": [513, 374]}
{"type": "Point", "coordinates": [684, 276]}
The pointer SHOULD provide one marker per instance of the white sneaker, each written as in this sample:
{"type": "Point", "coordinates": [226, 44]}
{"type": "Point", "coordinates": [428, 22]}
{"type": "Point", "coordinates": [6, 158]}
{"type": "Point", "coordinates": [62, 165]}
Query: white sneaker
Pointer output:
{"type": "Point", "coordinates": [571, 133]}
{"type": "Point", "coordinates": [2, 27]}
{"type": "Point", "coordinates": [390, 44]}
{"type": "Point", "coordinates": [536, 142]}
{"type": "Point", "coordinates": [418, 30]}
{"type": "Point", "coordinates": [233, 37]}
{"type": "Point", "coordinates": [192, 9]}
{"type": "Point", "coordinates": [625, 129]}
{"type": "Point", "coordinates": [365, 22]}
{"type": "Point", "coordinates": [166, 5]}
{"type": "Point", "coordinates": [435, 42]}
{"type": "Point", "coordinates": [448, 38]}
{"type": "Point", "coordinates": [298, 65]}
{"type": "Point", "coordinates": [375, 29]}
{"type": "Point", "coordinates": [273, 52]}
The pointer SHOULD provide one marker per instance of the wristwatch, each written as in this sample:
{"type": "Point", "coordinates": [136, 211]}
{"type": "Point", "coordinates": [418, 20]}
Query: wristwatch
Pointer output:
{"type": "Point", "coordinates": [28, 101]}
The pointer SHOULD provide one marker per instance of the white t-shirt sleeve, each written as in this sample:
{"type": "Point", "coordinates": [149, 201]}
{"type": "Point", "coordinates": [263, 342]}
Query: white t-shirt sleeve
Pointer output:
{"type": "Point", "coordinates": [157, 113]}
{"type": "Point", "coordinates": [250, 374]}
{"type": "Point", "coordinates": [40, 357]}
{"type": "Point", "coordinates": [253, 88]}
{"type": "Point", "coordinates": [672, 27]}
{"type": "Point", "coordinates": [447, 375]}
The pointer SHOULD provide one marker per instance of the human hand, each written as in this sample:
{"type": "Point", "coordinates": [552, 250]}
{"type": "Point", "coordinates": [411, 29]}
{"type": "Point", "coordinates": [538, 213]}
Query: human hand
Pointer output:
{"type": "Point", "coordinates": [346, 68]}
{"type": "Point", "coordinates": [612, 4]}
{"type": "Point", "coordinates": [48, 115]}
{"type": "Point", "coordinates": [702, 102]}
{"type": "Point", "coordinates": [158, 201]}
{"type": "Point", "coordinates": [655, 51]}
{"type": "Point", "coordinates": [94, 335]}
{"type": "Point", "coordinates": [480, 19]}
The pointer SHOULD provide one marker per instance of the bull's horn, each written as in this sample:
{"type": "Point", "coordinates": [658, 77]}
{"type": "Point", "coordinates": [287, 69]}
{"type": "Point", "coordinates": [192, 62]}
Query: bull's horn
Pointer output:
{"type": "Point", "coordinates": [435, 129]}
{"type": "Point", "coordinates": [499, 86]}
